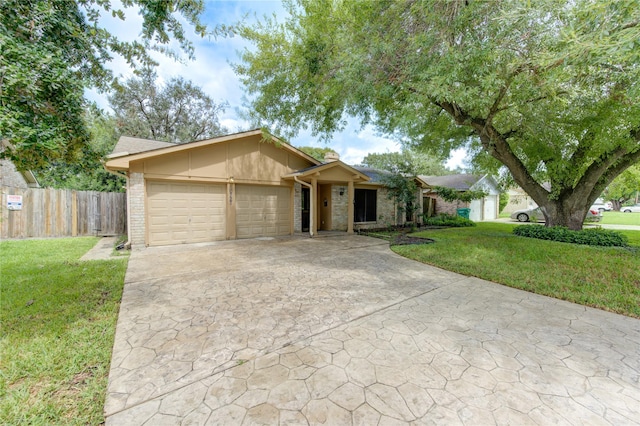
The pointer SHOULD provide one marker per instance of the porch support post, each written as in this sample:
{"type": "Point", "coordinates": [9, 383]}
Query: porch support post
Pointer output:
{"type": "Point", "coordinates": [314, 208]}
{"type": "Point", "coordinates": [350, 195]}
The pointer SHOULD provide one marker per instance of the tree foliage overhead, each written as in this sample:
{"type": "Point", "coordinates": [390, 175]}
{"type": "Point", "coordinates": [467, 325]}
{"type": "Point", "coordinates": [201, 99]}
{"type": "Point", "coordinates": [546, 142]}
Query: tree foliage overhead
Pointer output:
{"type": "Point", "coordinates": [178, 111]}
{"type": "Point", "coordinates": [548, 89]}
{"type": "Point", "coordinates": [316, 152]}
{"type": "Point", "coordinates": [624, 188]}
{"type": "Point", "coordinates": [51, 50]}
{"type": "Point", "coordinates": [450, 194]}
{"type": "Point", "coordinates": [407, 162]}
{"type": "Point", "coordinates": [85, 171]}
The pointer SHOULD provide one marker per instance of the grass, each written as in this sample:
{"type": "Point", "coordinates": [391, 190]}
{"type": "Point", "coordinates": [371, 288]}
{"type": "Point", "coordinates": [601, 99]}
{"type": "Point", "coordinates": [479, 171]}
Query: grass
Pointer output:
{"type": "Point", "coordinates": [604, 278]}
{"type": "Point", "coordinates": [619, 218]}
{"type": "Point", "coordinates": [58, 322]}
{"type": "Point", "coordinates": [608, 218]}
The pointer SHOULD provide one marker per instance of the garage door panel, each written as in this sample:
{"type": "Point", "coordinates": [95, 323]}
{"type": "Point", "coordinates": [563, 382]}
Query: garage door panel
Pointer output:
{"type": "Point", "coordinates": [262, 211]}
{"type": "Point", "coordinates": [185, 213]}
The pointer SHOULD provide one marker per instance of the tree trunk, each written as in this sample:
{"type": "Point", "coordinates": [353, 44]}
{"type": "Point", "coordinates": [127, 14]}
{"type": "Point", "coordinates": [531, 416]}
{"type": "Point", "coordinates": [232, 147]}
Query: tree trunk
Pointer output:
{"type": "Point", "coordinates": [556, 214]}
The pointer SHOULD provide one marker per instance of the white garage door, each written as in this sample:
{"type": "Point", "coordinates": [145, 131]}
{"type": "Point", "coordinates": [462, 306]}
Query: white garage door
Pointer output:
{"type": "Point", "coordinates": [490, 207]}
{"type": "Point", "coordinates": [262, 211]}
{"type": "Point", "coordinates": [185, 213]}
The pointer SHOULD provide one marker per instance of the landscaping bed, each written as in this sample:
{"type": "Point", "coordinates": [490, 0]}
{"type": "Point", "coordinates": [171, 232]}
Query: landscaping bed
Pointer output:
{"type": "Point", "coordinates": [398, 236]}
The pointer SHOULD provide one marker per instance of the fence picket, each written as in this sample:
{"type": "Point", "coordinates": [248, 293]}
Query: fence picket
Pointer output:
{"type": "Point", "coordinates": [48, 212]}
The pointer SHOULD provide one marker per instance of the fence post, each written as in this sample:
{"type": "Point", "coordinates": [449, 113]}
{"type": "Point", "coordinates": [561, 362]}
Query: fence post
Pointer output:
{"type": "Point", "coordinates": [74, 214]}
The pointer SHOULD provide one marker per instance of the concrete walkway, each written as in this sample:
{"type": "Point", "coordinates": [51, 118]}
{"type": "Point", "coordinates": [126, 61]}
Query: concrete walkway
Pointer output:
{"type": "Point", "coordinates": [341, 330]}
{"type": "Point", "coordinates": [102, 250]}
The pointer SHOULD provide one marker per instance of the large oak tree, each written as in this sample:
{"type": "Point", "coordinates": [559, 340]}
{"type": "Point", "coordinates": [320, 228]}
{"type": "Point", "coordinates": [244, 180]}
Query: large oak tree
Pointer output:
{"type": "Point", "coordinates": [177, 111]}
{"type": "Point", "coordinates": [548, 89]}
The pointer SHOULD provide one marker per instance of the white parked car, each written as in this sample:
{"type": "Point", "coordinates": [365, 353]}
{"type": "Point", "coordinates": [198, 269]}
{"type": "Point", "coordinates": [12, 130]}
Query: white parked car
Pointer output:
{"type": "Point", "coordinates": [535, 215]}
{"type": "Point", "coordinates": [631, 209]}
{"type": "Point", "coordinates": [602, 206]}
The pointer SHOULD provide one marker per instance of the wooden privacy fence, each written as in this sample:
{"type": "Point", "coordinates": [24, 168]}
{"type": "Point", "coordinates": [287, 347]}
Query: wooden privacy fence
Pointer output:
{"type": "Point", "coordinates": [63, 213]}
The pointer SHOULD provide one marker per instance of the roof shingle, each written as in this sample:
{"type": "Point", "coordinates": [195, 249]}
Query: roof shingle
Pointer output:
{"type": "Point", "coordinates": [462, 182]}
{"type": "Point", "coordinates": [135, 145]}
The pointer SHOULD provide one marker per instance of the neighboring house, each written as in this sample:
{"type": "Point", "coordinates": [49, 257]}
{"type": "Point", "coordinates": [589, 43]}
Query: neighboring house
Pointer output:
{"type": "Point", "coordinates": [518, 200]}
{"type": "Point", "coordinates": [241, 186]}
{"type": "Point", "coordinates": [11, 177]}
{"type": "Point", "coordinates": [483, 209]}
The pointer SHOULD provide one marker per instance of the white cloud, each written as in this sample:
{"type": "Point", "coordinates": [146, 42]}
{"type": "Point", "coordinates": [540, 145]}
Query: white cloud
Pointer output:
{"type": "Point", "coordinates": [211, 70]}
{"type": "Point", "coordinates": [457, 158]}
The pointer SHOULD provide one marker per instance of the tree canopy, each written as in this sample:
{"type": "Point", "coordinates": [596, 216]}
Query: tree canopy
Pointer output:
{"type": "Point", "coordinates": [316, 152]}
{"type": "Point", "coordinates": [624, 188]}
{"type": "Point", "coordinates": [178, 111]}
{"type": "Point", "coordinates": [85, 172]}
{"type": "Point", "coordinates": [407, 162]}
{"type": "Point", "coordinates": [548, 89]}
{"type": "Point", "coordinates": [50, 51]}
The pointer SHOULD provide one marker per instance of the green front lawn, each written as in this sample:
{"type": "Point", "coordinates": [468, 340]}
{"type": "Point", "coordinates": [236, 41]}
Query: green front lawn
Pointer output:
{"type": "Point", "coordinates": [605, 278]}
{"type": "Point", "coordinates": [58, 321]}
{"type": "Point", "coordinates": [619, 218]}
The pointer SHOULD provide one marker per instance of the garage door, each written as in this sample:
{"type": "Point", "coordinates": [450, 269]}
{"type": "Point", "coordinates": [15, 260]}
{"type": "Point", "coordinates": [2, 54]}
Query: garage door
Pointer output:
{"type": "Point", "coordinates": [490, 207]}
{"type": "Point", "coordinates": [185, 213]}
{"type": "Point", "coordinates": [262, 211]}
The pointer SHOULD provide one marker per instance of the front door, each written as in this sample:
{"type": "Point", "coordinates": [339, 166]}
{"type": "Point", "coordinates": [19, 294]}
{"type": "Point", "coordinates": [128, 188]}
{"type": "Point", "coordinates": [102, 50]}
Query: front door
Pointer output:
{"type": "Point", "coordinates": [306, 208]}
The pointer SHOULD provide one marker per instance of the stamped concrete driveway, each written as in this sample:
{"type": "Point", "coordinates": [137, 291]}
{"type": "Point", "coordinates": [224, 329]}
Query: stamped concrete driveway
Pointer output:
{"type": "Point", "coordinates": [340, 330]}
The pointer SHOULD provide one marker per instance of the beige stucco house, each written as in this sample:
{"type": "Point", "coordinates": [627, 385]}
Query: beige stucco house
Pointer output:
{"type": "Point", "coordinates": [244, 185]}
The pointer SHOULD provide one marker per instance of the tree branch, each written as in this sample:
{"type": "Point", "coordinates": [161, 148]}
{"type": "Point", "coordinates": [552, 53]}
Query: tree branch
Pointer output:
{"type": "Point", "coordinates": [497, 146]}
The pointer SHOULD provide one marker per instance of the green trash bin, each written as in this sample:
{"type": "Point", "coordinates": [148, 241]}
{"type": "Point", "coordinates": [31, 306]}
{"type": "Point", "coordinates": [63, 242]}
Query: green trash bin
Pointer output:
{"type": "Point", "coordinates": [464, 212]}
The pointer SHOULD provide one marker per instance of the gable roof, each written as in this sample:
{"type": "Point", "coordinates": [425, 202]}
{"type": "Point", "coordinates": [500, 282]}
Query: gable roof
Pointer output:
{"type": "Point", "coordinates": [326, 166]}
{"type": "Point", "coordinates": [121, 160]}
{"type": "Point", "coordinates": [129, 145]}
{"type": "Point", "coordinates": [461, 182]}
{"type": "Point", "coordinates": [377, 175]}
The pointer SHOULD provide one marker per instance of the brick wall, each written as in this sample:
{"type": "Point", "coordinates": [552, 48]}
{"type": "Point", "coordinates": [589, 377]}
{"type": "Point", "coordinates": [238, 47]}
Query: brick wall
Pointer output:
{"type": "Point", "coordinates": [137, 213]}
{"type": "Point", "coordinates": [443, 206]}
{"type": "Point", "coordinates": [297, 209]}
{"type": "Point", "coordinates": [340, 207]}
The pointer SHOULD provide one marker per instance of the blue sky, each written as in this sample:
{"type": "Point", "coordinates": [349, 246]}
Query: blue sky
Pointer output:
{"type": "Point", "coordinates": [212, 71]}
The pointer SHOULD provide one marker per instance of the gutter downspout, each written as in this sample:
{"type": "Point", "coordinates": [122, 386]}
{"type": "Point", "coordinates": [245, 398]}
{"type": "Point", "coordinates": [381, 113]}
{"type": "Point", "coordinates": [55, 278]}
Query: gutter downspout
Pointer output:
{"type": "Point", "coordinates": [311, 203]}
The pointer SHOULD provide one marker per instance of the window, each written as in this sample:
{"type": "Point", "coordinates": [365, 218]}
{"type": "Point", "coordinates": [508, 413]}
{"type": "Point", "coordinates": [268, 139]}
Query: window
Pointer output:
{"type": "Point", "coordinates": [365, 205]}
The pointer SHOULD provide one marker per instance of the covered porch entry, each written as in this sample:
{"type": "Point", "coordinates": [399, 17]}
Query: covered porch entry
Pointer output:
{"type": "Point", "coordinates": [327, 196]}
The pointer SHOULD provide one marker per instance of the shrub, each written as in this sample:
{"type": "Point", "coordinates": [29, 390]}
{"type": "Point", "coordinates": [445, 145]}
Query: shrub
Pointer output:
{"type": "Point", "coordinates": [591, 237]}
{"type": "Point", "coordinates": [448, 220]}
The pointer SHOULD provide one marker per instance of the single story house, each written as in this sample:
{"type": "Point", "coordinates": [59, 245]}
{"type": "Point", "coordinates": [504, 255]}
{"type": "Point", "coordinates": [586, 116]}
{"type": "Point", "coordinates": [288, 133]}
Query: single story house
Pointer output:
{"type": "Point", "coordinates": [244, 185]}
{"type": "Point", "coordinates": [518, 200]}
{"type": "Point", "coordinates": [486, 208]}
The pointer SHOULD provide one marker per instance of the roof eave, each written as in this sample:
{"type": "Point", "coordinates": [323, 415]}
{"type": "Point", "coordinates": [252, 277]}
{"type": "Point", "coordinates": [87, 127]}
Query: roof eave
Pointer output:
{"type": "Point", "coordinates": [121, 161]}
